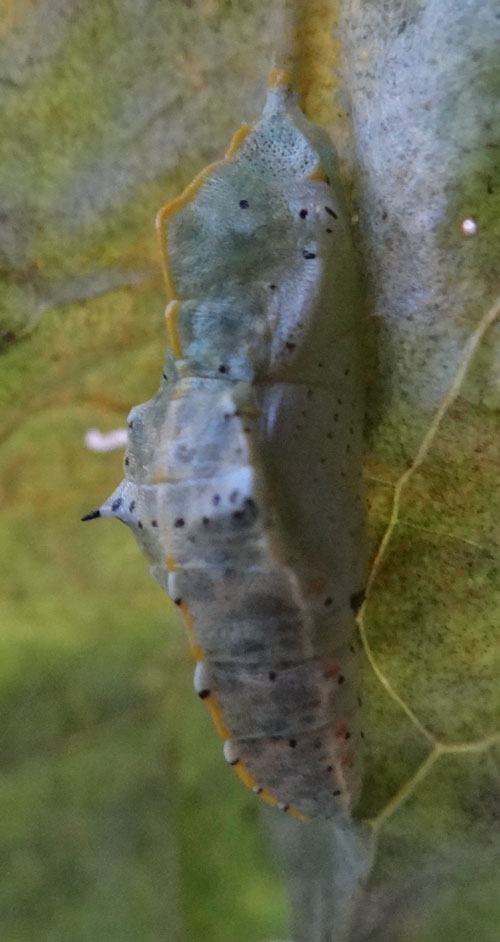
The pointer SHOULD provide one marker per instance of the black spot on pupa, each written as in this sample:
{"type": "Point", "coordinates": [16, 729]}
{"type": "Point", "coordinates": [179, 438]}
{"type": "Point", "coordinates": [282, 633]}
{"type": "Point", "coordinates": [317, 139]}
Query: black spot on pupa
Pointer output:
{"type": "Point", "coordinates": [331, 212]}
{"type": "Point", "coordinates": [154, 523]}
{"type": "Point", "coordinates": [203, 694]}
{"type": "Point", "coordinates": [347, 735]}
{"type": "Point", "coordinates": [178, 601]}
{"type": "Point", "coordinates": [205, 521]}
{"type": "Point", "coordinates": [222, 368]}
{"type": "Point", "coordinates": [272, 287]}
{"type": "Point", "coordinates": [238, 514]}
{"type": "Point", "coordinates": [303, 213]}
{"type": "Point", "coordinates": [131, 506]}
{"type": "Point", "coordinates": [244, 204]}
{"type": "Point", "coordinates": [356, 600]}
{"type": "Point", "coordinates": [329, 231]}
{"type": "Point", "coordinates": [329, 768]}
{"type": "Point", "coordinates": [340, 680]}
{"type": "Point", "coordinates": [317, 744]}
{"type": "Point", "coordinates": [233, 497]}
{"type": "Point", "coordinates": [179, 522]}
{"type": "Point", "coordinates": [258, 790]}
{"type": "Point", "coordinates": [139, 524]}
{"type": "Point", "coordinates": [216, 499]}
{"type": "Point", "coordinates": [272, 675]}
{"type": "Point", "coordinates": [292, 743]}
{"type": "Point", "coordinates": [336, 793]}
{"type": "Point", "coordinates": [290, 346]}
{"type": "Point", "coordinates": [328, 601]}
{"type": "Point", "coordinates": [308, 255]}
{"type": "Point", "coordinates": [234, 762]}
{"type": "Point", "coordinates": [130, 424]}
{"type": "Point", "coordinates": [116, 504]}
{"type": "Point", "coordinates": [327, 180]}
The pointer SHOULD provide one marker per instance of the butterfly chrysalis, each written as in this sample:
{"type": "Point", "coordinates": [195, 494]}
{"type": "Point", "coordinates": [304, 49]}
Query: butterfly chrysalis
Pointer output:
{"type": "Point", "coordinates": [242, 475]}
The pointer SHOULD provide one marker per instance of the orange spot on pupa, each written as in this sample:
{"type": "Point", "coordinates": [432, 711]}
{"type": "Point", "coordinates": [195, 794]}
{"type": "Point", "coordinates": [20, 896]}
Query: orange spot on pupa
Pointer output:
{"type": "Point", "coordinates": [236, 141]}
{"type": "Point", "coordinates": [186, 197]}
{"type": "Point", "coordinates": [244, 775]}
{"type": "Point", "coordinates": [170, 564]}
{"type": "Point", "coordinates": [331, 668]}
{"type": "Point", "coordinates": [216, 715]}
{"type": "Point", "coordinates": [172, 207]}
{"type": "Point", "coordinates": [268, 799]}
{"type": "Point", "coordinates": [340, 729]}
{"type": "Point", "coordinates": [195, 649]}
{"type": "Point", "coordinates": [265, 796]}
{"type": "Point", "coordinates": [317, 585]}
{"type": "Point", "coordinates": [297, 814]}
{"type": "Point", "coordinates": [278, 77]}
{"type": "Point", "coordinates": [318, 176]}
{"type": "Point", "coordinates": [347, 760]}
{"type": "Point", "coordinates": [156, 477]}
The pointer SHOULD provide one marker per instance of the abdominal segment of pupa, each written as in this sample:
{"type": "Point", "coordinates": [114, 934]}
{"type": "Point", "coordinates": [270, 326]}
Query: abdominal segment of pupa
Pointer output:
{"type": "Point", "coordinates": [242, 475]}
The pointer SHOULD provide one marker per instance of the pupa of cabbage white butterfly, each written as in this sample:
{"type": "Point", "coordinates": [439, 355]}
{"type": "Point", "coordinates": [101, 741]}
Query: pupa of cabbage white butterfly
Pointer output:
{"type": "Point", "coordinates": [242, 476]}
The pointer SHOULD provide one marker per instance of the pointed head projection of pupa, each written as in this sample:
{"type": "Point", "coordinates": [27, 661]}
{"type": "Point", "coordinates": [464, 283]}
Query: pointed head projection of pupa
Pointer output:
{"type": "Point", "coordinates": [126, 504]}
{"type": "Point", "coordinates": [120, 505]}
{"type": "Point", "coordinates": [239, 223]}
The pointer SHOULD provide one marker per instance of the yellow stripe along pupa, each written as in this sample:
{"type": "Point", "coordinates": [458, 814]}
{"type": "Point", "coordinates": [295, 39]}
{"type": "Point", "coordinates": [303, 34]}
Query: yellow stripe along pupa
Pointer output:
{"type": "Point", "coordinates": [242, 476]}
